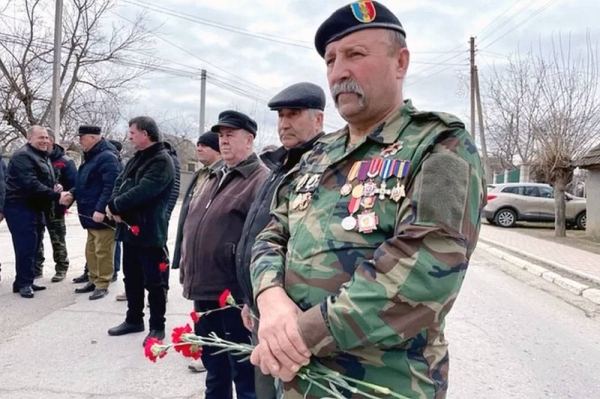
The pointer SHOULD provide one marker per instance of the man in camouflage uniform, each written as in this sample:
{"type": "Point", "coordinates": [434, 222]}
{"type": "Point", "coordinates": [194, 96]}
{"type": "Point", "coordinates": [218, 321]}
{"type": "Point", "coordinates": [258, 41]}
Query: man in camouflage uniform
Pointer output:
{"type": "Point", "coordinates": [368, 248]}
{"type": "Point", "coordinates": [65, 172]}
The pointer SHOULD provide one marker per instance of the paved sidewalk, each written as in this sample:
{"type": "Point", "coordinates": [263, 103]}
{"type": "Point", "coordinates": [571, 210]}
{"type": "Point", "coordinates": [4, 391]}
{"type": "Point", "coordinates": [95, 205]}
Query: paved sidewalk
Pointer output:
{"type": "Point", "coordinates": [583, 263]}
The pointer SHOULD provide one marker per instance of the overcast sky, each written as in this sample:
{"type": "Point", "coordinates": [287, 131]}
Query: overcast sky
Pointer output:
{"type": "Point", "coordinates": [221, 37]}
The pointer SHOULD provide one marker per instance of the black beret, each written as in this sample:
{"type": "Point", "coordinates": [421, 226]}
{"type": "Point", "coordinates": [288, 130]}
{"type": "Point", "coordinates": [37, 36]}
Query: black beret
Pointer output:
{"type": "Point", "coordinates": [89, 129]}
{"type": "Point", "coordinates": [354, 17]}
{"type": "Point", "coordinates": [236, 120]}
{"type": "Point", "coordinates": [210, 139]}
{"type": "Point", "coordinates": [299, 95]}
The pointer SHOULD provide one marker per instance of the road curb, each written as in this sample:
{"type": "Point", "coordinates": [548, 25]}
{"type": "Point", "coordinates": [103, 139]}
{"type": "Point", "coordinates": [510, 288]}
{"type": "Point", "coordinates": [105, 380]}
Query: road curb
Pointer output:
{"type": "Point", "coordinates": [577, 288]}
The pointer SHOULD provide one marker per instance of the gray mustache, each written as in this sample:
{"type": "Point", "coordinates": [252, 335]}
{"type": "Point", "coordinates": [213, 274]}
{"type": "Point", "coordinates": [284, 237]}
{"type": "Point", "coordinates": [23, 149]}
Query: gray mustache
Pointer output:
{"type": "Point", "coordinates": [346, 86]}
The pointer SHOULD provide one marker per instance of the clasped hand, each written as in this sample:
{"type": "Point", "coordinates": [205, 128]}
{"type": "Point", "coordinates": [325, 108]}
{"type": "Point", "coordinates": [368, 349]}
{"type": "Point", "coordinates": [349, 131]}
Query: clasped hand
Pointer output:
{"type": "Point", "coordinates": [281, 351]}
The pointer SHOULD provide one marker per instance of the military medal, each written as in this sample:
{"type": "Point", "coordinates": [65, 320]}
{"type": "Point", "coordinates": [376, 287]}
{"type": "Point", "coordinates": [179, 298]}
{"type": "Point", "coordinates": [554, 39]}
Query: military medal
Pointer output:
{"type": "Point", "coordinates": [358, 190]}
{"type": "Point", "coordinates": [306, 197]}
{"type": "Point", "coordinates": [400, 170]}
{"type": "Point", "coordinates": [386, 173]}
{"type": "Point", "coordinates": [370, 187]}
{"type": "Point", "coordinates": [312, 183]}
{"type": "Point", "coordinates": [367, 202]}
{"type": "Point", "coordinates": [347, 188]}
{"type": "Point", "coordinates": [349, 222]}
{"type": "Point", "coordinates": [367, 222]}
{"type": "Point", "coordinates": [302, 182]}
{"type": "Point", "coordinates": [296, 202]}
{"type": "Point", "coordinates": [391, 149]}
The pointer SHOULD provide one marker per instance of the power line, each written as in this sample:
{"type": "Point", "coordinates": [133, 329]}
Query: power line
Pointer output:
{"type": "Point", "coordinates": [512, 17]}
{"type": "Point", "coordinates": [524, 21]}
{"type": "Point", "coordinates": [229, 28]}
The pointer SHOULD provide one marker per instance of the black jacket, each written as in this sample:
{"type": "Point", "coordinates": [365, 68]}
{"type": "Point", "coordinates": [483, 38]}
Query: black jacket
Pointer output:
{"type": "Point", "coordinates": [177, 181]}
{"type": "Point", "coordinates": [65, 172]}
{"type": "Point", "coordinates": [2, 185]}
{"type": "Point", "coordinates": [185, 207]}
{"type": "Point", "coordinates": [141, 196]}
{"type": "Point", "coordinates": [30, 179]}
{"type": "Point", "coordinates": [95, 182]}
{"type": "Point", "coordinates": [280, 162]}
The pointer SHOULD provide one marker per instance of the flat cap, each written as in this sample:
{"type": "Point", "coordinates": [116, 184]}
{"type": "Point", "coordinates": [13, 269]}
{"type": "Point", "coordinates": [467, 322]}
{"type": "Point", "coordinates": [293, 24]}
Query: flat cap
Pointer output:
{"type": "Point", "coordinates": [89, 129]}
{"type": "Point", "coordinates": [352, 18]}
{"type": "Point", "coordinates": [299, 95]}
{"type": "Point", "coordinates": [236, 120]}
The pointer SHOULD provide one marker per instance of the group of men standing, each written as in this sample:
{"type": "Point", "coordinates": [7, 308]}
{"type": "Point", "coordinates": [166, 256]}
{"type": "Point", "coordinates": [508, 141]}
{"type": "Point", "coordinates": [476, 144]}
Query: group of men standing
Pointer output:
{"type": "Point", "coordinates": [350, 248]}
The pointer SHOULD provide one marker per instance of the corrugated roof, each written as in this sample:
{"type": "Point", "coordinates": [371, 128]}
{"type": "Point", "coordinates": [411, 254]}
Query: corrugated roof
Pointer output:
{"type": "Point", "coordinates": [592, 158]}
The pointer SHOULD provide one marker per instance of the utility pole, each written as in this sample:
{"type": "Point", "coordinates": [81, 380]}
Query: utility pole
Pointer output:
{"type": "Point", "coordinates": [486, 162]}
{"type": "Point", "coordinates": [472, 62]}
{"type": "Point", "coordinates": [202, 100]}
{"type": "Point", "coordinates": [56, 69]}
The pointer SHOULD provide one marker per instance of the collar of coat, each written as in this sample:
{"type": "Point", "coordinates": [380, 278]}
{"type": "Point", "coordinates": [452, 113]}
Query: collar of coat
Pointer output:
{"type": "Point", "coordinates": [274, 159]}
{"type": "Point", "coordinates": [245, 168]}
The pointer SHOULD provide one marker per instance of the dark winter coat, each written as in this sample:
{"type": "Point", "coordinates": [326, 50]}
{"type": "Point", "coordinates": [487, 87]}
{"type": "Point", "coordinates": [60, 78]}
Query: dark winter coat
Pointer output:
{"type": "Point", "coordinates": [141, 196]}
{"type": "Point", "coordinates": [30, 179]}
{"type": "Point", "coordinates": [177, 181]}
{"type": "Point", "coordinates": [197, 178]}
{"type": "Point", "coordinates": [95, 182]}
{"type": "Point", "coordinates": [213, 228]}
{"type": "Point", "coordinates": [280, 162]}
{"type": "Point", "coordinates": [65, 172]}
{"type": "Point", "coordinates": [2, 185]}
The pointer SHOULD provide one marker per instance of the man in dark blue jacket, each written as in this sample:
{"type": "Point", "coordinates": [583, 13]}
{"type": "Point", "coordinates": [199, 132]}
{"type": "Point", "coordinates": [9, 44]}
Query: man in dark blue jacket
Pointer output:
{"type": "Point", "coordinates": [2, 194]}
{"type": "Point", "coordinates": [139, 206]}
{"type": "Point", "coordinates": [95, 182]}
{"type": "Point", "coordinates": [31, 189]}
{"type": "Point", "coordinates": [300, 110]}
{"type": "Point", "coordinates": [65, 172]}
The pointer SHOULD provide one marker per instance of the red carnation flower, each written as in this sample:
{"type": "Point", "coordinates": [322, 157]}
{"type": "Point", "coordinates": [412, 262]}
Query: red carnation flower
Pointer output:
{"type": "Point", "coordinates": [195, 317]}
{"type": "Point", "coordinates": [162, 266]}
{"type": "Point", "coordinates": [154, 349]}
{"type": "Point", "coordinates": [226, 299]}
{"type": "Point", "coordinates": [178, 332]}
{"type": "Point", "coordinates": [59, 164]}
{"type": "Point", "coordinates": [135, 230]}
{"type": "Point", "coordinates": [189, 350]}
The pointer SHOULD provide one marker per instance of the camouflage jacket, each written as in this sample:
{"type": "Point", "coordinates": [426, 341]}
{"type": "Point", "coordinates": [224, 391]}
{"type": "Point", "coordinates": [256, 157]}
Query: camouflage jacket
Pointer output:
{"type": "Point", "coordinates": [375, 303]}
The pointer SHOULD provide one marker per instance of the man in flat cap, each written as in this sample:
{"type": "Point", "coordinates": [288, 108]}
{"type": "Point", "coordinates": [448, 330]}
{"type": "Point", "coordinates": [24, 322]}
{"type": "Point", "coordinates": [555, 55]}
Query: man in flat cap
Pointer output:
{"type": "Point", "coordinates": [95, 181]}
{"type": "Point", "coordinates": [31, 190]}
{"type": "Point", "coordinates": [139, 204]}
{"type": "Point", "coordinates": [210, 235]}
{"type": "Point", "coordinates": [366, 253]}
{"type": "Point", "coordinates": [208, 154]}
{"type": "Point", "coordinates": [300, 124]}
{"type": "Point", "coordinates": [65, 172]}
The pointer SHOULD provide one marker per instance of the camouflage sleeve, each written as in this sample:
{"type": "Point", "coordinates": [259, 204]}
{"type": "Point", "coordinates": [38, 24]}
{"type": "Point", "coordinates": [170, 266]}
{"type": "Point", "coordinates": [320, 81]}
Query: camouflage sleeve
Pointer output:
{"type": "Point", "coordinates": [267, 268]}
{"type": "Point", "coordinates": [414, 277]}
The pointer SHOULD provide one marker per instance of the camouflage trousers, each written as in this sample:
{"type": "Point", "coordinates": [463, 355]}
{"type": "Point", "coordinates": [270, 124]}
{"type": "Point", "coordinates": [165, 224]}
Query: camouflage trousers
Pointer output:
{"type": "Point", "coordinates": [58, 232]}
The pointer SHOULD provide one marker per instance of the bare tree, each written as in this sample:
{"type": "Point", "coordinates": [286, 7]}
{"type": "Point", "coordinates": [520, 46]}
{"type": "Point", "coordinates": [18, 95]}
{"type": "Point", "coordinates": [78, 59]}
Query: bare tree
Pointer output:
{"type": "Point", "coordinates": [94, 81]}
{"type": "Point", "coordinates": [544, 109]}
{"type": "Point", "coordinates": [569, 118]}
{"type": "Point", "coordinates": [512, 97]}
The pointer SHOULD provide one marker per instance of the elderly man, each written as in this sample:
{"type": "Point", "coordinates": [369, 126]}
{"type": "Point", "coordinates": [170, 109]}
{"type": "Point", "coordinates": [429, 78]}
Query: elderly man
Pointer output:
{"type": "Point", "coordinates": [300, 124]}
{"type": "Point", "coordinates": [367, 251]}
{"type": "Point", "coordinates": [139, 205]}
{"type": "Point", "coordinates": [31, 190]}
{"type": "Point", "coordinates": [65, 172]}
{"type": "Point", "coordinates": [95, 182]}
{"type": "Point", "coordinates": [211, 233]}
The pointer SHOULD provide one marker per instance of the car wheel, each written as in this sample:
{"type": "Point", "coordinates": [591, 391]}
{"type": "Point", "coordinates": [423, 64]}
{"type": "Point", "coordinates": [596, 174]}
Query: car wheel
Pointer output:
{"type": "Point", "coordinates": [581, 221]}
{"type": "Point", "coordinates": [491, 221]}
{"type": "Point", "coordinates": [506, 218]}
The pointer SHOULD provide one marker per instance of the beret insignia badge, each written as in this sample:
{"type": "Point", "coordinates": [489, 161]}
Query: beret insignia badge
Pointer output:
{"type": "Point", "coordinates": [364, 11]}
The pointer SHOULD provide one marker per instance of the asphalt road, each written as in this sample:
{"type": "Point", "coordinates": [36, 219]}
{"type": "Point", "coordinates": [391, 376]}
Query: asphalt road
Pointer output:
{"type": "Point", "coordinates": [511, 336]}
